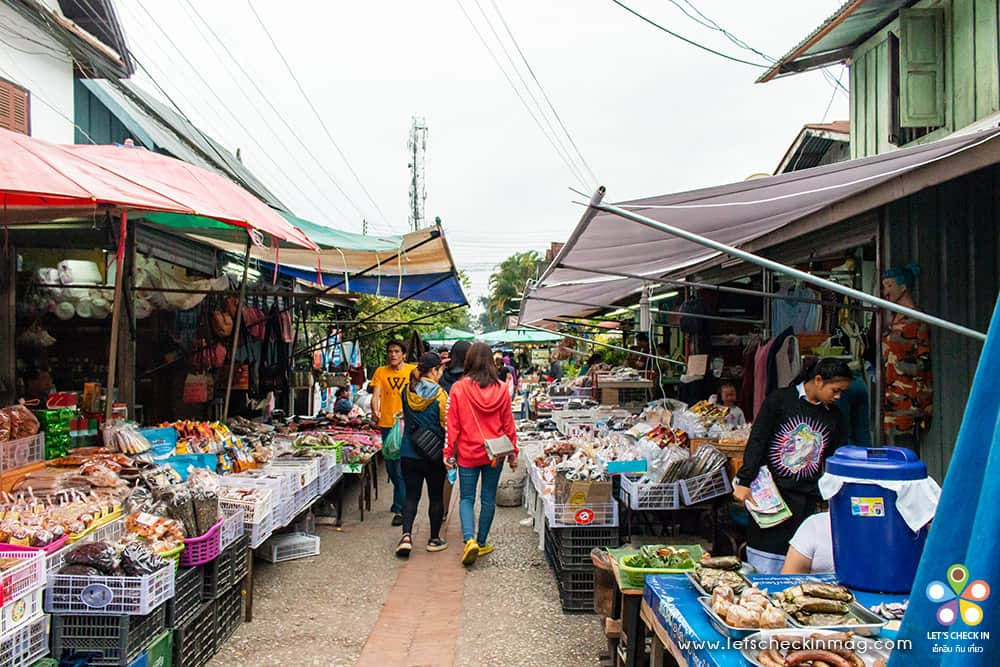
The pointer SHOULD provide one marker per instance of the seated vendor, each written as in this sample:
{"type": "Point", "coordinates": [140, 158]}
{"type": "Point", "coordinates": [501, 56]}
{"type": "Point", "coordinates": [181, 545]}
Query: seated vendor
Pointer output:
{"type": "Point", "coordinates": [595, 360]}
{"type": "Point", "coordinates": [728, 398]}
{"type": "Point", "coordinates": [38, 385]}
{"type": "Point", "coordinates": [811, 548]}
{"type": "Point", "coordinates": [343, 404]}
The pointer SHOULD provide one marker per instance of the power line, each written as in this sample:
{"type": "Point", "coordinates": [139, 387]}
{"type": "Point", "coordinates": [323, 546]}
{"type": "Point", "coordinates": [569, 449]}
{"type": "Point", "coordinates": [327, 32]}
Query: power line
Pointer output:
{"type": "Point", "coordinates": [833, 96]}
{"type": "Point", "coordinates": [685, 39]}
{"type": "Point", "coordinates": [316, 113]}
{"type": "Point", "coordinates": [576, 174]}
{"type": "Point", "coordinates": [544, 94]}
{"type": "Point", "coordinates": [281, 117]}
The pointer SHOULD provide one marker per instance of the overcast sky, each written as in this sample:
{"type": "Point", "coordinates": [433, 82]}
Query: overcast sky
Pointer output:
{"type": "Point", "coordinates": [650, 114]}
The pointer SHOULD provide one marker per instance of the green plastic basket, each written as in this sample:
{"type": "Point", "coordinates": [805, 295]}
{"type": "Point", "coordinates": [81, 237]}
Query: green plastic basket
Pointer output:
{"type": "Point", "coordinates": [635, 577]}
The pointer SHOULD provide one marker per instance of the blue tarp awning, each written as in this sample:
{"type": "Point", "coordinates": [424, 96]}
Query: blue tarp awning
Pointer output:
{"type": "Point", "coordinates": [446, 290]}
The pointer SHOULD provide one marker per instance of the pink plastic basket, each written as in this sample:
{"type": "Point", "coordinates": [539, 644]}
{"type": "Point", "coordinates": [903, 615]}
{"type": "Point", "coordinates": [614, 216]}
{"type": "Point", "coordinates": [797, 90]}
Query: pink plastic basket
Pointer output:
{"type": "Point", "coordinates": [49, 549]}
{"type": "Point", "coordinates": [204, 549]}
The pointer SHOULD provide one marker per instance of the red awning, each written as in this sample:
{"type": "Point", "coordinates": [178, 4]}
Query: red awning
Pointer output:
{"type": "Point", "coordinates": [65, 180]}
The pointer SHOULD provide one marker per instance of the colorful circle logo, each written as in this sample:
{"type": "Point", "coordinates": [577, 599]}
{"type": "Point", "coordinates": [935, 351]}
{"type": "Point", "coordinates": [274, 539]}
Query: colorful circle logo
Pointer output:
{"type": "Point", "coordinates": [958, 597]}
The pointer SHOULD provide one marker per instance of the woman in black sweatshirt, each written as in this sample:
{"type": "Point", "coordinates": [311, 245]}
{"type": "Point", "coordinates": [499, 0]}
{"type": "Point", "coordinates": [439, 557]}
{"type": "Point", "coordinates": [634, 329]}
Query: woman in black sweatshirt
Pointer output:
{"type": "Point", "coordinates": [797, 428]}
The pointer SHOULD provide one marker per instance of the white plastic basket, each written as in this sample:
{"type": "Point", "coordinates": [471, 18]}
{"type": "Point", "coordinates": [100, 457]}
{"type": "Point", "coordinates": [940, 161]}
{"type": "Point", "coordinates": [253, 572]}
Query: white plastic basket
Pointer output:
{"type": "Point", "coordinates": [26, 644]}
{"type": "Point", "coordinates": [308, 469]}
{"type": "Point", "coordinates": [130, 596]}
{"type": "Point", "coordinates": [232, 527]}
{"type": "Point", "coordinates": [20, 612]}
{"type": "Point", "coordinates": [110, 532]}
{"type": "Point", "coordinates": [639, 493]}
{"type": "Point", "coordinates": [19, 580]}
{"type": "Point", "coordinates": [705, 487]}
{"type": "Point", "coordinates": [22, 452]}
{"type": "Point", "coordinates": [259, 532]}
{"type": "Point", "coordinates": [565, 515]}
{"type": "Point", "coordinates": [290, 546]}
{"type": "Point", "coordinates": [255, 511]}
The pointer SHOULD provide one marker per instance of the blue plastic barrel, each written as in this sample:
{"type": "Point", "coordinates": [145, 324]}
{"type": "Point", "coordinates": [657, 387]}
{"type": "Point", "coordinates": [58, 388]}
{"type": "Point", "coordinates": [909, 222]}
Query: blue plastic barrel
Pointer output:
{"type": "Point", "coordinates": [873, 548]}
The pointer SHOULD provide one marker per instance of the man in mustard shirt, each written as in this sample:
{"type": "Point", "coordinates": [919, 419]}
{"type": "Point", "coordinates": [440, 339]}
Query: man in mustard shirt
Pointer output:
{"type": "Point", "coordinates": [387, 403]}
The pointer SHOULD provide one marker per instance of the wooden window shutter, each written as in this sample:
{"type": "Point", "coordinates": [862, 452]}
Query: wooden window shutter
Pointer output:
{"type": "Point", "coordinates": [14, 108]}
{"type": "Point", "coordinates": [921, 68]}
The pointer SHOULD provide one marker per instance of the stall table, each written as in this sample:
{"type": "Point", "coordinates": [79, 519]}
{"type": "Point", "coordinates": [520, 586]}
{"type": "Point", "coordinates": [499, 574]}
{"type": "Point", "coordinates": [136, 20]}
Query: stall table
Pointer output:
{"type": "Point", "coordinates": [367, 473]}
{"type": "Point", "coordinates": [628, 648]}
{"type": "Point", "coordinates": [670, 610]}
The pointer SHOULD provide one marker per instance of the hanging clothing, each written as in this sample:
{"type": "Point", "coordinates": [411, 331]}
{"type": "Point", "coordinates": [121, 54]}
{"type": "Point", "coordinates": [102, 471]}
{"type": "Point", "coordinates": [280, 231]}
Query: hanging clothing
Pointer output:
{"type": "Point", "coordinates": [760, 375]}
{"type": "Point", "coordinates": [853, 403]}
{"type": "Point", "coordinates": [747, 385]}
{"type": "Point", "coordinates": [906, 351]}
{"type": "Point", "coordinates": [800, 316]}
{"type": "Point", "coordinates": [781, 346]}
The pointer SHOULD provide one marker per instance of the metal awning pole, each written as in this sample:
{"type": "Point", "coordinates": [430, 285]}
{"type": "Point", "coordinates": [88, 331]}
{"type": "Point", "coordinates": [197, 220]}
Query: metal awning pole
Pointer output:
{"type": "Point", "coordinates": [721, 288]}
{"type": "Point", "coordinates": [790, 271]}
{"type": "Point", "coordinates": [116, 312]}
{"type": "Point", "coordinates": [236, 332]}
{"type": "Point", "coordinates": [609, 345]}
{"type": "Point", "coordinates": [720, 318]}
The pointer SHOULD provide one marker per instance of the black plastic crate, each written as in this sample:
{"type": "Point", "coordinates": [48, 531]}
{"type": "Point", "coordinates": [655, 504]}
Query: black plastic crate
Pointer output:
{"type": "Point", "coordinates": [574, 600]}
{"type": "Point", "coordinates": [240, 559]}
{"type": "Point", "coordinates": [218, 574]}
{"type": "Point", "coordinates": [570, 547]}
{"type": "Point", "coordinates": [228, 615]}
{"type": "Point", "coordinates": [110, 641]}
{"type": "Point", "coordinates": [187, 596]}
{"type": "Point", "coordinates": [194, 642]}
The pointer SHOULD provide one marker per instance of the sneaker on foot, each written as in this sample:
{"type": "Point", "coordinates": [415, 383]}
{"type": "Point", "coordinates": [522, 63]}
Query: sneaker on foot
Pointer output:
{"type": "Point", "coordinates": [471, 552]}
{"type": "Point", "coordinates": [404, 547]}
{"type": "Point", "coordinates": [485, 549]}
{"type": "Point", "coordinates": [529, 521]}
{"type": "Point", "coordinates": [397, 519]}
{"type": "Point", "coordinates": [437, 544]}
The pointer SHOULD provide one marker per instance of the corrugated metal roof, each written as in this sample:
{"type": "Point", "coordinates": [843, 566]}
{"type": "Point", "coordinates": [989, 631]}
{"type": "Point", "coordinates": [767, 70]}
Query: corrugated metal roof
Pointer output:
{"type": "Point", "coordinates": [812, 143]}
{"type": "Point", "coordinates": [837, 37]}
{"type": "Point", "coordinates": [161, 128]}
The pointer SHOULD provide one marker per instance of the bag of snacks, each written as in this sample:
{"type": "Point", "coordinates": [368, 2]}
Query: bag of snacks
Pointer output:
{"type": "Point", "coordinates": [22, 422]}
{"type": "Point", "coordinates": [99, 555]}
{"type": "Point", "coordinates": [137, 559]}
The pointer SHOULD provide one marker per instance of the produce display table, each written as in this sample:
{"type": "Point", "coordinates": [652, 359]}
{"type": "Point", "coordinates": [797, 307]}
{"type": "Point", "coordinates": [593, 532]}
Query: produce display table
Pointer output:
{"type": "Point", "coordinates": [628, 649]}
{"type": "Point", "coordinates": [670, 610]}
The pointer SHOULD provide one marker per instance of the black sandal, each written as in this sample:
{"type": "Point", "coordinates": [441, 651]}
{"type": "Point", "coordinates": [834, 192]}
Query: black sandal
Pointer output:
{"type": "Point", "coordinates": [405, 546]}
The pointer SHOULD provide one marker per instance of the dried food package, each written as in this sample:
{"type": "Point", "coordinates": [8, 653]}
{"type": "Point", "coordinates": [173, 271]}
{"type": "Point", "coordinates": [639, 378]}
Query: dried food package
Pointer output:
{"type": "Point", "coordinates": [100, 555]}
{"type": "Point", "coordinates": [137, 559]}
{"type": "Point", "coordinates": [206, 509]}
{"type": "Point", "coordinates": [139, 500]}
{"type": "Point", "coordinates": [180, 505]}
{"type": "Point", "coordinates": [4, 426]}
{"type": "Point", "coordinates": [22, 422]}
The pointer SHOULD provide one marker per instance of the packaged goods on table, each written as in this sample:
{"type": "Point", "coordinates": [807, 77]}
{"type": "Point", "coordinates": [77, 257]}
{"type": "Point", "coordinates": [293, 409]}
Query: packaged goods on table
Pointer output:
{"type": "Point", "coordinates": [16, 422]}
{"type": "Point", "coordinates": [43, 522]}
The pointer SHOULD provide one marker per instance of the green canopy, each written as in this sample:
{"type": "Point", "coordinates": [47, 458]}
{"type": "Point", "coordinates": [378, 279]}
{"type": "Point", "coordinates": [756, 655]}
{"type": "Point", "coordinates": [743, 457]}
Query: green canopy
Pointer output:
{"type": "Point", "coordinates": [448, 335]}
{"type": "Point", "coordinates": [515, 336]}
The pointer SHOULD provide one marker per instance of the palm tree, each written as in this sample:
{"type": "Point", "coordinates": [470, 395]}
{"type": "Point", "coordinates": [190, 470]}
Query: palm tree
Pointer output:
{"type": "Point", "coordinates": [507, 284]}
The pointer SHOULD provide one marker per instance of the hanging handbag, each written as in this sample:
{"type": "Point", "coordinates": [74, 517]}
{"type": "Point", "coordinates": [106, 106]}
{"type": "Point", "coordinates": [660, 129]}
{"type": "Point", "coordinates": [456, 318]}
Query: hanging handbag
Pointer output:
{"type": "Point", "coordinates": [241, 377]}
{"type": "Point", "coordinates": [285, 324]}
{"type": "Point", "coordinates": [196, 388]}
{"type": "Point", "coordinates": [495, 447]}
{"type": "Point", "coordinates": [222, 324]}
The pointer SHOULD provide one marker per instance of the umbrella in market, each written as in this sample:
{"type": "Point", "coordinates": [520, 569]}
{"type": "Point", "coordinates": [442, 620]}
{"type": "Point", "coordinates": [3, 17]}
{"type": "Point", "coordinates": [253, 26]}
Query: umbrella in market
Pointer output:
{"type": "Point", "coordinates": [519, 336]}
{"type": "Point", "coordinates": [961, 560]}
{"type": "Point", "coordinates": [447, 335]}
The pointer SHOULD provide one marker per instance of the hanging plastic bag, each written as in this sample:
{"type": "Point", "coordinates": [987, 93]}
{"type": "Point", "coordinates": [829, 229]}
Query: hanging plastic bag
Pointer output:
{"type": "Point", "coordinates": [393, 441]}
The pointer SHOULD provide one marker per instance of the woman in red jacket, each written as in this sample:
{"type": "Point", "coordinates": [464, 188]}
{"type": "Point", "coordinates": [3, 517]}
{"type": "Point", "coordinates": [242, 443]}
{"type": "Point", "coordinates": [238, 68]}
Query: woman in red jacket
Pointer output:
{"type": "Point", "coordinates": [478, 409]}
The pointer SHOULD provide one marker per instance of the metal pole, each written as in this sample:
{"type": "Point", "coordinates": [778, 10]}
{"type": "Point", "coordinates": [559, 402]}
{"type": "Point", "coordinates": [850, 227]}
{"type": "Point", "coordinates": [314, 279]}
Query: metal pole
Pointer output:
{"type": "Point", "coordinates": [608, 345]}
{"type": "Point", "coordinates": [116, 310]}
{"type": "Point", "coordinates": [741, 320]}
{"type": "Point", "coordinates": [236, 332]}
{"type": "Point", "coordinates": [720, 288]}
{"type": "Point", "coordinates": [790, 271]}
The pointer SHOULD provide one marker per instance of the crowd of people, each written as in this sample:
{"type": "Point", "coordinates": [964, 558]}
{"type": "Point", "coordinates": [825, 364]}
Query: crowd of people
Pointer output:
{"type": "Point", "coordinates": [455, 424]}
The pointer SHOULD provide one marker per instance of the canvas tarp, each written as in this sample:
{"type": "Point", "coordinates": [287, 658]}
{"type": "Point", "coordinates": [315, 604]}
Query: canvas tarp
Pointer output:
{"type": "Point", "coordinates": [736, 214]}
{"type": "Point", "coordinates": [519, 336]}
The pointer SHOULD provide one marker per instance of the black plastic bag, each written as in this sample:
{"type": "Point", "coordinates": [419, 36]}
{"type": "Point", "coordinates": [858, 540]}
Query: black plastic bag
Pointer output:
{"type": "Point", "coordinates": [137, 559]}
{"type": "Point", "coordinates": [99, 555]}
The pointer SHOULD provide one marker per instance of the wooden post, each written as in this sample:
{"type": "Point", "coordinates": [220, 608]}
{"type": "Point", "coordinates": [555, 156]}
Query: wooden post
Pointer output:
{"type": "Point", "coordinates": [116, 310]}
{"type": "Point", "coordinates": [8, 356]}
{"type": "Point", "coordinates": [127, 332]}
{"type": "Point", "coordinates": [236, 332]}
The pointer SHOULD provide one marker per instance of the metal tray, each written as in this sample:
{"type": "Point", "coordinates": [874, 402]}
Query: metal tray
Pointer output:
{"type": "Point", "coordinates": [869, 651]}
{"type": "Point", "coordinates": [728, 630]}
{"type": "Point", "coordinates": [701, 591]}
{"type": "Point", "coordinates": [870, 624]}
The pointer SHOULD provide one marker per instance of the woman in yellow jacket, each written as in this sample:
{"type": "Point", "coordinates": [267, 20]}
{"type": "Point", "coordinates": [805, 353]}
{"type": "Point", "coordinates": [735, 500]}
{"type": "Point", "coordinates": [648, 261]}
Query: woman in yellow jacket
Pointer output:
{"type": "Point", "coordinates": [424, 407]}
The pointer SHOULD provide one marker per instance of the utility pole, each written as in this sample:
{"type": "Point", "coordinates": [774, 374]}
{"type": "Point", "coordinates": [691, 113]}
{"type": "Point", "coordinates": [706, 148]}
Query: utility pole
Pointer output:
{"type": "Point", "coordinates": [417, 146]}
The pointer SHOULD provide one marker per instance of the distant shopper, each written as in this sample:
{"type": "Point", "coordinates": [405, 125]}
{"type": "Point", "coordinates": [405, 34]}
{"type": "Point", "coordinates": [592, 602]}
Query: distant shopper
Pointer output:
{"type": "Point", "coordinates": [593, 361]}
{"type": "Point", "coordinates": [505, 373]}
{"type": "Point", "coordinates": [387, 404]}
{"type": "Point", "coordinates": [456, 365]}
{"type": "Point", "coordinates": [555, 369]}
{"type": "Point", "coordinates": [424, 407]}
{"type": "Point", "coordinates": [343, 405]}
{"type": "Point", "coordinates": [479, 409]}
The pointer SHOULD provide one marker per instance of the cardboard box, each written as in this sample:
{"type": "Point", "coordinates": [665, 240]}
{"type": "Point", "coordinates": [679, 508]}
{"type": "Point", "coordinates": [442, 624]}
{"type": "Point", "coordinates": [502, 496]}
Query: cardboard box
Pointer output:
{"type": "Point", "coordinates": [582, 493]}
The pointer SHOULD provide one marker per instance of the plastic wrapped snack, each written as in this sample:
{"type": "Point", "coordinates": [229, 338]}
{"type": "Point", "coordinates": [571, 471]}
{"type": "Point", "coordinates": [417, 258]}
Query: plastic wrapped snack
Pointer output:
{"type": "Point", "coordinates": [180, 504]}
{"type": "Point", "coordinates": [100, 555]}
{"type": "Point", "coordinates": [22, 422]}
{"type": "Point", "coordinates": [137, 559]}
{"type": "Point", "coordinates": [4, 426]}
{"type": "Point", "coordinates": [206, 509]}
{"type": "Point", "coordinates": [81, 571]}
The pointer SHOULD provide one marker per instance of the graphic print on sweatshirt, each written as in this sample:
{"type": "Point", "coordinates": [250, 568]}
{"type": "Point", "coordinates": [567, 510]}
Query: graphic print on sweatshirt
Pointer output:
{"type": "Point", "coordinates": [798, 447]}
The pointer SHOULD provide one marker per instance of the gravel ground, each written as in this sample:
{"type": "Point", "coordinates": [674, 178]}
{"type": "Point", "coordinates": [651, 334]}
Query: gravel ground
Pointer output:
{"type": "Point", "coordinates": [320, 611]}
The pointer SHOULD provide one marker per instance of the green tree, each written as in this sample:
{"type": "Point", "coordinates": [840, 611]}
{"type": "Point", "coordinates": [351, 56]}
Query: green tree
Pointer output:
{"type": "Point", "coordinates": [374, 335]}
{"type": "Point", "coordinates": [507, 284]}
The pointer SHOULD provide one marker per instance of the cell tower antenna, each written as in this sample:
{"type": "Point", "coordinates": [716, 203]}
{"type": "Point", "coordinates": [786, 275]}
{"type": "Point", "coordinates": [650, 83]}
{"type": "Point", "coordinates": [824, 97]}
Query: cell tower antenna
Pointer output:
{"type": "Point", "coordinates": [417, 146]}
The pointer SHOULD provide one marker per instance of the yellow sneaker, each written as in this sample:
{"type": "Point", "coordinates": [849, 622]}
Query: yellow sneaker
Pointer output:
{"type": "Point", "coordinates": [485, 549]}
{"type": "Point", "coordinates": [471, 552]}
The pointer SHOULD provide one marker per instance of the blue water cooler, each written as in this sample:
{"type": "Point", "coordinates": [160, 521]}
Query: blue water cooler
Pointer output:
{"type": "Point", "coordinates": [873, 548]}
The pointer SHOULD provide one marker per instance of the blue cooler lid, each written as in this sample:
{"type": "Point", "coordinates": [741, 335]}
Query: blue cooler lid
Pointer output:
{"type": "Point", "coordinates": [883, 463]}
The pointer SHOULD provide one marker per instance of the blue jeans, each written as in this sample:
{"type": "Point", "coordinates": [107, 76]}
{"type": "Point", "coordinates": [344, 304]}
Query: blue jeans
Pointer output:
{"type": "Point", "coordinates": [395, 470]}
{"type": "Point", "coordinates": [468, 478]}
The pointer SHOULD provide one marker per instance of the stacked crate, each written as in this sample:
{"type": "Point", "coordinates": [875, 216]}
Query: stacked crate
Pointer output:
{"type": "Point", "coordinates": [568, 552]}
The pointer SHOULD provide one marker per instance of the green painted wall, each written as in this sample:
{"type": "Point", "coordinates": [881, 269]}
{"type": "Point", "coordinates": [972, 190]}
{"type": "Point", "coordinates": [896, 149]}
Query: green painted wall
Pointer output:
{"type": "Point", "coordinates": [93, 117]}
{"type": "Point", "coordinates": [972, 75]}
